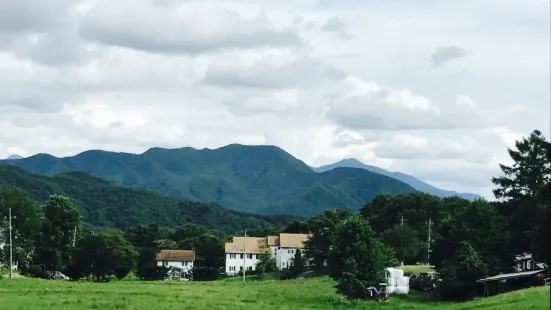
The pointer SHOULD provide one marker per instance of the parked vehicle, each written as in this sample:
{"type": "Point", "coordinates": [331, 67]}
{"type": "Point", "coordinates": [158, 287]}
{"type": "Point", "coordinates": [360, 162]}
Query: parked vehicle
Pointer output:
{"type": "Point", "coordinates": [425, 281]}
{"type": "Point", "coordinates": [59, 276]}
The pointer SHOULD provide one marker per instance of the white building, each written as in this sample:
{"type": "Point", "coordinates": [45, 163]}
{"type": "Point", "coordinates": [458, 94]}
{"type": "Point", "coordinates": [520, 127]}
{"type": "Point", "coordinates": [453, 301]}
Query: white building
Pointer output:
{"type": "Point", "coordinates": [246, 251]}
{"type": "Point", "coordinates": [243, 251]}
{"type": "Point", "coordinates": [182, 259]}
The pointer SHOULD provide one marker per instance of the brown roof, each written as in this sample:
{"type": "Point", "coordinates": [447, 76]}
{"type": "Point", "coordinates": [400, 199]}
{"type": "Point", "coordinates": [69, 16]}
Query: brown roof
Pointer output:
{"type": "Point", "coordinates": [253, 245]}
{"type": "Point", "coordinates": [176, 255]}
{"type": "Point", "coordinates": [273, 240]}
{"type": "Point", "coordinates": [293, 240]}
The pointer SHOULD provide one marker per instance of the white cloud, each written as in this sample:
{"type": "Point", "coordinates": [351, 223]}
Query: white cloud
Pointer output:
{"type": "Point", "coordinates": [128, 75]}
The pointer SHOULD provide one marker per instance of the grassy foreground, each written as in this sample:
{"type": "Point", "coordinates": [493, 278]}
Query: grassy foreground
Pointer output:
{"type": "Point", "coordinates": [314, 293]}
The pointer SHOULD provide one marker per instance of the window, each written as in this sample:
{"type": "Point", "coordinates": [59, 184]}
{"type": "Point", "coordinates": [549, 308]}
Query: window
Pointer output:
{"type": "Point", "coordinates": [250, 268]}
{"type": "Point", "coordinates": [240, 268]}
{"type": "Point", "coordinates": [232, 255]}
{"type": "Point", "coordinates": [165, 263]}
{"type": "Point", "coordinates": [249, 256]}
{"type": "Point", "coordinates": [232, 268]}
{"type": "Point", "coordinates": [241, 256]}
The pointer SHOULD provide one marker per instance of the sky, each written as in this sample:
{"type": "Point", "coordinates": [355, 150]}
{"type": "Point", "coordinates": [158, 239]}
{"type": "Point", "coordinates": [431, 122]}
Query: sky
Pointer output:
{"type": "Point", "coordinates": [435, 89]}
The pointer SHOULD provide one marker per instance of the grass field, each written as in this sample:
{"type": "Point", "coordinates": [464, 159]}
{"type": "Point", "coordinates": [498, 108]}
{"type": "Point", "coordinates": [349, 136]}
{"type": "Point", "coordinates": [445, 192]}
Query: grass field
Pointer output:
{"type": "Point", "coordinates": [316, 293]}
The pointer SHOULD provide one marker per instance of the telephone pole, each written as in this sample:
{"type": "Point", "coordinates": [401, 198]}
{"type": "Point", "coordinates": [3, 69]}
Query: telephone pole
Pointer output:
{"type": "Point", "coordinates": [244, 255]}
{"type": "Point", "coordinates": [74, 236]}
{"type": "Point", "coordinates": [428, 245]}
{"type": "Point", "coordinates": [11, 251]}
{"type": "Point", "coordinates": [402, 242]}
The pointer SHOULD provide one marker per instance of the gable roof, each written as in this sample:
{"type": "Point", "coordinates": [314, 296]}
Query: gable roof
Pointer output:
{"type": "Point", "coordinates": [293, 240]}
{"type": "Point", "coordinates": [252, 244]}
{"type": "Point", "coordinates": [176, 255]}
{"type": "Point", "coordinates": [273, 240]}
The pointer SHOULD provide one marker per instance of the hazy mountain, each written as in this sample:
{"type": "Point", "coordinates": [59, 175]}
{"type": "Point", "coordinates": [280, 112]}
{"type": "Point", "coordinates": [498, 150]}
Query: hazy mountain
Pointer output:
{"type": "Point", "coordinates": [102, 204]}
{"type": "Point", "coordinates": [408, 179]}
{"type": "Point", "coordinates": [14, 156]}
{"type": "Point", "coordinates": [261, 179]}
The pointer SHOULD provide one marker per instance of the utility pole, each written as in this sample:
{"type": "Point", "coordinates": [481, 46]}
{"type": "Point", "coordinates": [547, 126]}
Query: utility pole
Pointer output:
{"type": "Point", "coordinates": [74, 236]}
{"type": "Point", "coordinates": [11, 251]}
{"type": "Point", "coordinates": [402, 242]}
{"type": "Point", "coordinates": [244, 255]}
{"type": "Point", "coordinates": [428, 245]}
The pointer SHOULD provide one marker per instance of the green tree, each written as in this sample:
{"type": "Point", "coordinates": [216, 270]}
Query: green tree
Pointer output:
{"type": "Point", "coordinates": [266, 263]}
{"type": "Point", "coordinates": [26, 224]}
{"type": "Point", "coordinates": [104, 254]}
{"type": "Point", "coordinates": [524, 193]}
{"type": "Point", "coordinates": [460, 272]}
{"type": "Point", "coordinates": [297, 265]}
{"type": "Point", "coordinates": [61, 218]}
{"type": "Point", "coordinates": [405, 243]}
{"type": "Point", "coordinates": [356, 250]}
{"type": "Point", "coordinates": [483, 228]}
{"type": "Point", "coordinates": [317, 246]}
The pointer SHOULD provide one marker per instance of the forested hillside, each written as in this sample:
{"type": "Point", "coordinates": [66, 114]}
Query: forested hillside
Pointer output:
{"type": "Point", "coordinates": [260, 179]}
{"type": "Point", "coordinates": [102, 204]}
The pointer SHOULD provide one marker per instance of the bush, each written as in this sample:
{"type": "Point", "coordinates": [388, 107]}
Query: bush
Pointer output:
{"type": "Point", "coordinates": [204, 273]}
{"type": "Point", "coordinates": [451, 290]}
{"type": "Point", "coordinates": [351, 287]}
{"type": "Point", "coordinates": [153, 273]}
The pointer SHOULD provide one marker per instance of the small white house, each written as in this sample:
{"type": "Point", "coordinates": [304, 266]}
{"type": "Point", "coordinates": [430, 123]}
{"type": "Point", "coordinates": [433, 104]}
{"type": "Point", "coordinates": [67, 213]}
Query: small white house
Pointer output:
{"type": "Point", "coordinates": [182, 259]}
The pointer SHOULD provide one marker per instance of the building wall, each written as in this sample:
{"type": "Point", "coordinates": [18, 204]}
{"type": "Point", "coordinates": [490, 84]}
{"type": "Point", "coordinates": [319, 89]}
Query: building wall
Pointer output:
{"type": "Point", "coordinates": [284, 257]}
{"type": "Point", "coordinates": [234, 262]}
{"type": "Point", "coordinates": [186, 266]}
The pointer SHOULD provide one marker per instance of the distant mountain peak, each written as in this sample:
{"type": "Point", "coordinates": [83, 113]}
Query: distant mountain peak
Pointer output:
{"type": "Point", "coordinates": [408, 179]}
{"type": "Point", "coordinates": [14, 156]}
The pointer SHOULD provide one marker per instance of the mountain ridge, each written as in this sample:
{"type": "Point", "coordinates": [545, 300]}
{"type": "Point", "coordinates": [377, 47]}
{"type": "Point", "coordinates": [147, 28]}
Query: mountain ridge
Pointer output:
{"type": "Point", "coordinates": [408, 179]}
{"type": "Point", "coordinates": [103, 204]}
{"type": "Point", "coordinates": [260, 179]}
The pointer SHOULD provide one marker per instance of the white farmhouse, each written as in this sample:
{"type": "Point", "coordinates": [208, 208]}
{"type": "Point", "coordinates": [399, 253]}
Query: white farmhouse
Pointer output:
{"type": "Point", "coordinates": [182, 259]}
{"type": "Point", "coordinates": [243, 251]}
{"type": "Point", "coordinates": [246, 251]}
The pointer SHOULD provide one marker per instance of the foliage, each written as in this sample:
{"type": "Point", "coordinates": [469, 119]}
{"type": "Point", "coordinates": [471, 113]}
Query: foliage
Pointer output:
{"type": "Point", "coordinates": [351, 287]}
{"type": "Point", "coordinates": [405, 242]}
{"type": "Point", "coordinates": [460, 272]}
{"type": "Point", "coordinates": [104, 205]}
{"type": "Point", "coordinates": [524, 190]}
{"type": "Point", "coordinates": [296, 266]}
{"type": "Point", "coordinates": [323, 225]}
{"type": "Point", "coordinates": [102, 255]}
{"type": "Point", "coordinates": [26, 226]}
{"type": "Point", "coordinates": [483, 228]}
{"type": "Point", "coordinates": [61, 219]}
{"type": "Point", "coordinates": [266, 263]}
{"type": "Point", "coordinates": [260, 179]}
{"type": "Point", "coordinates": [356, 250]}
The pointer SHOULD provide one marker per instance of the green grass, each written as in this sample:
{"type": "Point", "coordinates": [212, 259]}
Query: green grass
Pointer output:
{"type": "Point", "coordinates": [316, 293]}
{"type": "Point", "coordinates": [415, 269]}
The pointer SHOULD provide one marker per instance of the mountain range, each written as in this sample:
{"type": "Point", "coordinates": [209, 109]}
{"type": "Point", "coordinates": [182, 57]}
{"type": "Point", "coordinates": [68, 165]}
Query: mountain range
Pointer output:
{"type": "Point", "coordinates": [258, 179]}
{"type": "Point", "coordinates": [408, 179]}
{"type": "Point", "coordinates": [104, 205]}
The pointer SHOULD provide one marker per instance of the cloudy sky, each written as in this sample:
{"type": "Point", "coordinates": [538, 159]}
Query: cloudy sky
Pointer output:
{"type": "Point", "coordinates": [434, 88]}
